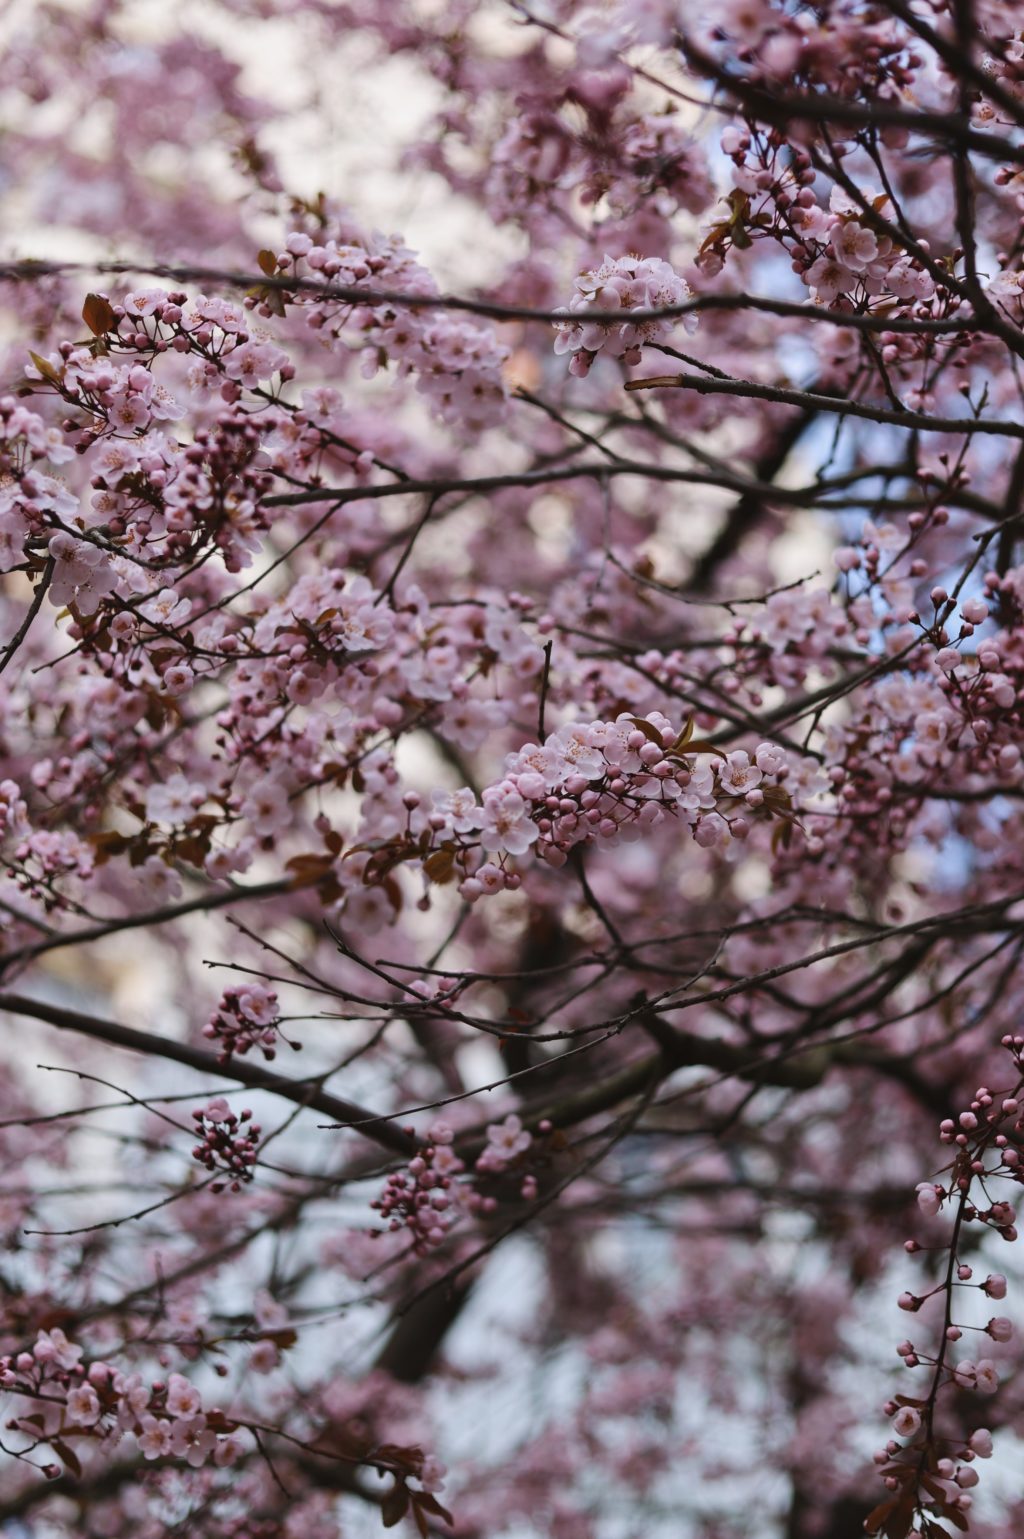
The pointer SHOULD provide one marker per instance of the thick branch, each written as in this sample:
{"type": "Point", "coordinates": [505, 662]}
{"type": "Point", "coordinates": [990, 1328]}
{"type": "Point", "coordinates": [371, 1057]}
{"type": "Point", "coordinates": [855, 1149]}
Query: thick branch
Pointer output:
{"type": "Point", "coordinates": [301, 1093]}
{"type": "Point", "coordinates": [749, 390]}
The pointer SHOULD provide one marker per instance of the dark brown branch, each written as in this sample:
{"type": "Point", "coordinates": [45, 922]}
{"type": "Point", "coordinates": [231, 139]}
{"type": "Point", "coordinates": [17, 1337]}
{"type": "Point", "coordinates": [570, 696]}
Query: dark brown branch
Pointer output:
{"type": "Point", "coordinates": [31, 271]}
{"type": "Point", "coordinates": [751, 391]}
{"type": "Point", "coordinates": [301, 1093]}
{"type": "Point", "coordinates": [30, 614]}
{"type": "Point", "coordinates": [782, 108]}
{"type": "Point", "coordinates": [147, 919]}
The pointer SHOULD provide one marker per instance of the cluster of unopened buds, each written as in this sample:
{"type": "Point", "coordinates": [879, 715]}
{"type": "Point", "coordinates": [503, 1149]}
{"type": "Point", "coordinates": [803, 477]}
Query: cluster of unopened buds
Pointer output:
{"type": "Point", "coordinates": [227, 1144]}
{"type": "Point", "coordinates": [74, 1402]}
{"type": "Point", "coordinates": [621, 285]}
{"type": "Point", "coordinates": [245, 1018]}
{"type": "Point", "coordinates": [421, 1198]}
{"type": "Point", "coordinates": [425, 1197]}
{"type": "Point", "coordinates": [931, 1476]}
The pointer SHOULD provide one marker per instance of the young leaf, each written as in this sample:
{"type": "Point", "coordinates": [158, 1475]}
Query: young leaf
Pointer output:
{"type": "Point", "coordinates": [67, 1456]}
{"type": "Point", "coordinates": [98, 315]}
{"type": "Point", "coordinates": [46, 369]}
{"type": "Point", "coordinates": [440, 866]}
{"type": "Point", "coordinates": [395, 1505]}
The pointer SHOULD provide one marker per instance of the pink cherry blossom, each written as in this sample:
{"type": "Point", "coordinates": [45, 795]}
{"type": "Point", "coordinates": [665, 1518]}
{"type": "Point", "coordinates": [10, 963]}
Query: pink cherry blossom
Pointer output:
{"type": "Point", "coordinates": [906, 1422]}
{"type": "Point", "coordinates": [511, 801]}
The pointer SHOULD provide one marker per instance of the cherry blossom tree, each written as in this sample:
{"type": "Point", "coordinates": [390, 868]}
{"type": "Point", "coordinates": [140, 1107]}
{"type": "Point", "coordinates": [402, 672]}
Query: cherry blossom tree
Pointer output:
{"type": "Point", "coordinates": [512, 793]}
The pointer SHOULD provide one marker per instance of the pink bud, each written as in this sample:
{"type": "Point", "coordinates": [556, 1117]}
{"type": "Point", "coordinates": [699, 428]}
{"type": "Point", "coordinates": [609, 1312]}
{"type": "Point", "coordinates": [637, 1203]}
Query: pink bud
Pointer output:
{"type": "Point", "coordinates": [929, 1198]}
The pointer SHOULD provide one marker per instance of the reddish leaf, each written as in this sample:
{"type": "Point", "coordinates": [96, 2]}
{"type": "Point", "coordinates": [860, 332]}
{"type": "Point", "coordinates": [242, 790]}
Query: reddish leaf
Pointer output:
{"type": "Point", "coordinates": [684, 737]}
{"type": "Point", "coordinates": [283, 1338]}
{"type": "Point", "coordinates": [67, 1456]}
{"type": "Point", "coordinates": [351, 1445]}
{"type": "Point", "coordinates": [409, 1458]}
{"type": "Point", "coordinates": [440, 867]}
{"type": "Point", "coordinates": [194, 850]}
{"type": "Point", "coordinates": [649, 731]}
{"type": "Point", "coordinates": [875, 1521]}
{"type": "Point", "coordinates": [701, 745]}
{"type": "Point", "coordinates": [218, 1422]}
{"type": "Point", "coordinates": [394, 1506]}
{"type": "Point", "coordinates": [107, 844]}
{"type": "Point", "coordinates": [98, 315]}
{"type": "Point", "coordinates": [307, 870]}
{"type": "Point", "coordinates": [430, 1503]}
{"type": "Point", "coordinates": [901, 1518]}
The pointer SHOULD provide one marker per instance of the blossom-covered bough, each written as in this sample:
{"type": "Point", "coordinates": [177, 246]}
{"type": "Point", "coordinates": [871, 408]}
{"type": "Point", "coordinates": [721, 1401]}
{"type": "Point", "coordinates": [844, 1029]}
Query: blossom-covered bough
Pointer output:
{"type": "Point", "coordinates": [511, 770]}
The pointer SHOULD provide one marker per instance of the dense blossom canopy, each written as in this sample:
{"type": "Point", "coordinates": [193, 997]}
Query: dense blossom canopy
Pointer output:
{"type": "Point", "coordinates": [511, 768]}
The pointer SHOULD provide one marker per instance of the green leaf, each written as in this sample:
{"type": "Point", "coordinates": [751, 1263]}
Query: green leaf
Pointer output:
{"type": "Point", "coordinates": [272, 298]}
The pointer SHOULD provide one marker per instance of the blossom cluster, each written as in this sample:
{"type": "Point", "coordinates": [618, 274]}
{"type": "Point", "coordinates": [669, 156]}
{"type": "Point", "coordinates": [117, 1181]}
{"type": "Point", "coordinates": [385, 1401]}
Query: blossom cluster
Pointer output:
{"type": "Point", "coordinates": [246, 1017]}
{"type": "Point", "coordinates": [844, 253]}
{"type": "Point", "coordinates": [618, 285]}
{"type": "Point", "coordinates": [856, 52]}
{"type": "Point", "coordinates": [538, 160]}
{"type": "Point", "coordinates": [604, 781]}
{"type": "Point", "coordinates": [74, 1403]}
{"type": "Point", "coordinates": [293, 571]}
{"type": "Point", "coordinates": [424, 1199]}
{"type": "Point", "coordinates": [457, 363]}
{"type": "Point", "coordinates": [841, 255]}
{"type": "Point", "coordinates": [922, 1477]}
